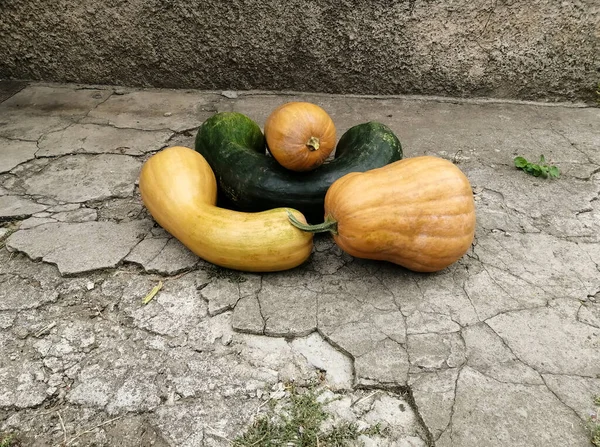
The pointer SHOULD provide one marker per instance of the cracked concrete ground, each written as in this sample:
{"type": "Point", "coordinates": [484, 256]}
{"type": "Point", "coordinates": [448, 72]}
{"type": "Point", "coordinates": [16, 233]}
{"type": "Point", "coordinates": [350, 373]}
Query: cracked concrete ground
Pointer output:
{"type": "Point", "coordinates": [500, 349]}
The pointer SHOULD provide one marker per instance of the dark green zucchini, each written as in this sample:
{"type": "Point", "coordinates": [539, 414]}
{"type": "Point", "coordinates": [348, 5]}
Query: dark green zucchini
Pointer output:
{"type": "Point", "coordinates": [234, 146]}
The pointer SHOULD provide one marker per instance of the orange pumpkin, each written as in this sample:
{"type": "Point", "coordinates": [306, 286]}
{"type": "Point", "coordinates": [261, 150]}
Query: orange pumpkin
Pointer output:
{"type": "Point", "coordinates": [300, 135]}
{"type": "Point", "coordinates": [418, 212]}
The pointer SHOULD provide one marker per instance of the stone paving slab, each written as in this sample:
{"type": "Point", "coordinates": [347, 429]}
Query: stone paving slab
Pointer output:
{"type": "Point", "coordinates": [502, 348]}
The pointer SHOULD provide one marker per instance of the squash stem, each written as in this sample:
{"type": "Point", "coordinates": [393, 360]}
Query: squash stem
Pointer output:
{"type": "Point", "coordinates": [329, 225]}
{"type": "Point", "coordinates": [313, 144]}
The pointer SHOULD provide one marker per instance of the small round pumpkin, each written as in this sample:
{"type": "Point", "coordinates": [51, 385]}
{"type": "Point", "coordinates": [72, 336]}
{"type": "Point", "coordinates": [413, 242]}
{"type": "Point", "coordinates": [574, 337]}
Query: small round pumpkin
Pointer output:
{"type": "Point", "coordinates": [300, 135]}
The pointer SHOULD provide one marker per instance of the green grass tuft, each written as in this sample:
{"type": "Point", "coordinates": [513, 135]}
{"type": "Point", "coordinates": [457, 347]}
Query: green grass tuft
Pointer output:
{"type": "Point", "coordinates": [300, 425]}
{"type": "Point", "coordinates": [9, 440]}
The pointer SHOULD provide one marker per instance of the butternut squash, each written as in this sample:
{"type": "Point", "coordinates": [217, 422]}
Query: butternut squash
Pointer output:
{"type": "Point", "coordinates": [418, 212]}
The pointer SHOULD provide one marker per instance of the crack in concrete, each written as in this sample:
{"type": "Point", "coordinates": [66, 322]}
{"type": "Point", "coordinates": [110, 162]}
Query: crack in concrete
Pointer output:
{"type": "Point", "coordinates": [387, 337]}
{"type": "Point", "coordinates": [37, 142]}
{"type": "Point", "coordinates": [464, 352]}
{"type": "Point", "coordinates": [17, 139]}
{"type": "Point", "coordinates": [508, 347]}
{"type": "Point", "coordinates": [540, 373]}
{"type": "Point", "coordinates": [396, 303]}
{"type": "Point", "coordinates": [122, 260]}
{"type": "Point", "coordinates": [463, 286]}
{"type": "Point", "coordinates": [110, 95]}
{"type": "Point", "coordinates": [573, 145]}
{"type": "Point", "coordinates": [508, 272]}
{"type": "Point", "coordinates": [260, 310]}
{"type": "Point", "coordinates": [483, 265]}
{"type": "Point", "coordinates": [340, 349]}
{"type": "Point", "coordinates": [589, 257]}
{"type": "Point", "coordinates": [228, 307]}
{"type": "Point", "coordinates": [406, 389]}
{"type": "Point", "coordinates": [577, 317]}
{"type": "Point", "coordinates": [505, 312]}
{"type": "Point", "coordinates": [406, 393]}
{"type": "Point", "coordinates": [560, 400]}
{"type": "Point", "coordinates": [449, 426]}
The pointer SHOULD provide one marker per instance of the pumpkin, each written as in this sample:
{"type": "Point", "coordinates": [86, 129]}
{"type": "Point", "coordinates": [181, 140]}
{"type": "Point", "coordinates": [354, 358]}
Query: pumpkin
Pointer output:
{"type": "Point", "coordinates": [417, 212]}
{"type": "Point", "coordinates": [300, 135]}
{"type": "Point", "coordinates": [179, 189]}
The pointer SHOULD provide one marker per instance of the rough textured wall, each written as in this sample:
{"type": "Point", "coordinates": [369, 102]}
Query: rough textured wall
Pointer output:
{"type": "Point", "coordinates": [534, 49]}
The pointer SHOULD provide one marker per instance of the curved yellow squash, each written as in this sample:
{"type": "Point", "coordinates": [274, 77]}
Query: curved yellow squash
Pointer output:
{"type": "Point", "coordinates": [179, 189]}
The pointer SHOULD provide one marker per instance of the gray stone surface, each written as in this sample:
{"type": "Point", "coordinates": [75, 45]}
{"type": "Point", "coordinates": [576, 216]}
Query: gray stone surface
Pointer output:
{"type": "Point", "coordinates": [44, 100]}
{"type": "Point", "coordinates": [247, 316]}
{"type": "Point", "coordinates": [575, 392]}
{"type": "Point", "coordinates": [222, 294]}
{"type": "Point", "coordinates": [96, 139]}
{"type": "Point", "coordinates": [323, 356]}
{"type": "Point", "coordinates": [482, 400]}
{"type": "Point", "coordinates": [33, 222]}
{"type": "Point", "coordinates": [540, 50]}
{"type": "Point", "coordinates": [78, 215]}
{"type": "Point", "coordinates": [155, 110]}
{"type": "Point", "coordinates": [18, 294]}
{"type": "Point", "coordinates": [15, 152]}
{"type": "Point", "coordinates": [38, 109]}
{"type": "Point", "coordinates": [436, 351]}
{"type": "Point", "coordinates": [287, 310]}
{"type": "Point", "coordinates": [18, 207]}
{"type": "Point", "coordinates": [500, 348]}
{"type": "Point", "coordinates": [434, 393]}
{"type": "Point", "coordinates": [162, 255]}
{"type": "Point", "coordinates": [80, 178]}
{"type": "Point", "coordinates": [386, 364]}
{"type": "Point", "coordinates": [488, 354]}
{"type": "Point", "coordinates": [23, 385]}
{"type": "Point", "coordinates": [531, 335]}
{"type": "Point", "coordinates": [79, 247]}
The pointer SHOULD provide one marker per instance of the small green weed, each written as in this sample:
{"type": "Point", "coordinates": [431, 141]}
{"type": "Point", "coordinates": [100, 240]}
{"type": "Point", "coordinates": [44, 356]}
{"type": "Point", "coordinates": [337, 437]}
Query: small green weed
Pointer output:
{"type": "Point", "coordinates": [299, 425]}
{"type": "Point", "coordinates": [9, 440]}
{"type": "Point", "coordinates": [594, 423]}
{"type": "Point", "coordinates": [539, 169]}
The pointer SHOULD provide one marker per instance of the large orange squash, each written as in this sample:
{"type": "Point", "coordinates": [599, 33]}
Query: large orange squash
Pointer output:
{"type": "Point", "coordinates": [417, 212]}
{"type": "Point", "coordinates": [300, 135]}
{"type": "Point", "coordinates": [180, 190]}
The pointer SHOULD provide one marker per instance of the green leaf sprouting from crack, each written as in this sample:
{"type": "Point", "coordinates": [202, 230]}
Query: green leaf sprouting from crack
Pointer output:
{"type": "Point", "coordinates": [539, 169]}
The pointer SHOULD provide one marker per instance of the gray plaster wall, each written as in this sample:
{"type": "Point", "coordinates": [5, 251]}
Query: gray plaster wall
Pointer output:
{"type": "Point", "coordinates": [534, 49]}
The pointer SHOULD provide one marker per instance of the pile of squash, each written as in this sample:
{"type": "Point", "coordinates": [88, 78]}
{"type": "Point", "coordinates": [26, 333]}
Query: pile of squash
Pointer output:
{"type": "Point", "coordinates": [417, 212]}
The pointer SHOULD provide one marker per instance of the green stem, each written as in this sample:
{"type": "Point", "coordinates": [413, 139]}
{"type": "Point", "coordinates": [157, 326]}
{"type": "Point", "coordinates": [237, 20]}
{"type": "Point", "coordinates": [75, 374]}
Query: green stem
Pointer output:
{"type": "Point", "coordinates": [329, 225]}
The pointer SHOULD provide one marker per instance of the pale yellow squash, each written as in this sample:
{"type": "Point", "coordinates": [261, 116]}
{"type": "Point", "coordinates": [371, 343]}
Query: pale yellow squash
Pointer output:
{"type": "Point", "coordinates": [179, 189]}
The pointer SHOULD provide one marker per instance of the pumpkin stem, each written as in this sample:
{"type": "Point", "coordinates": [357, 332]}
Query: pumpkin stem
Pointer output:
{"type": "Point", "coordinates": [313, 144]}
{"type": "Point", "coordinates": [329, 225]}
